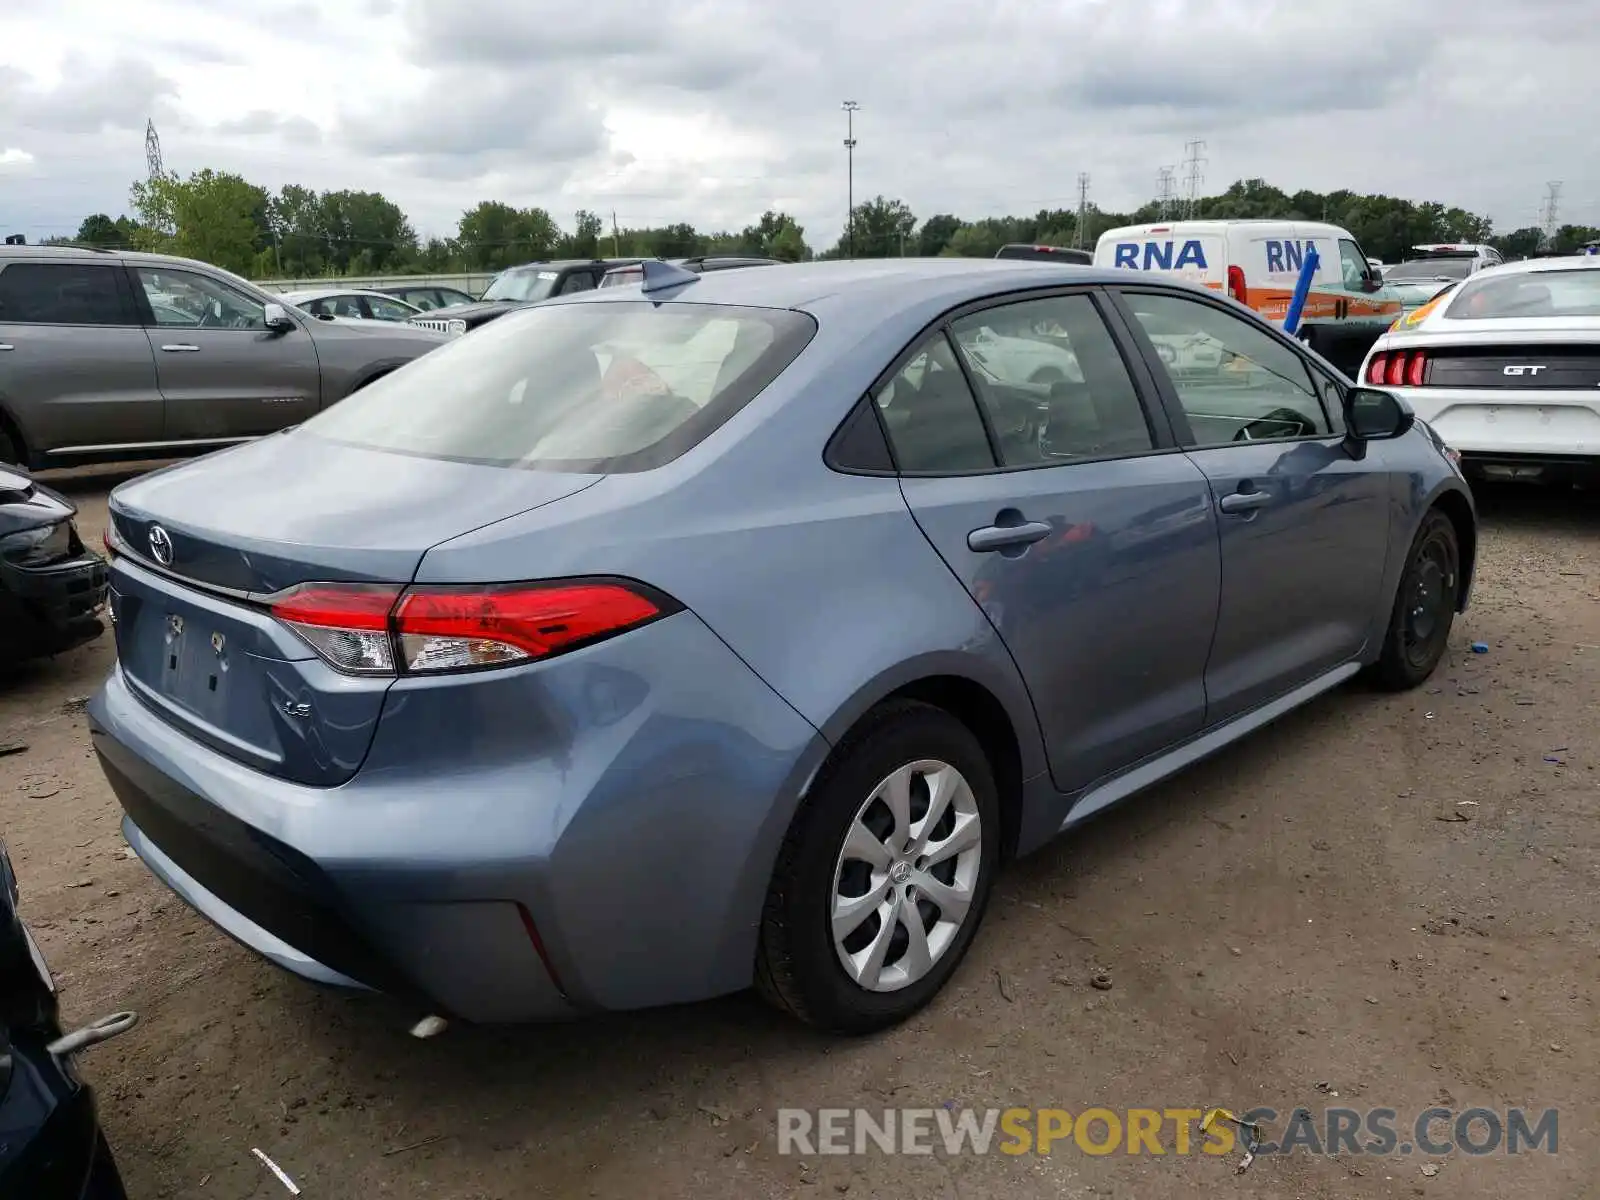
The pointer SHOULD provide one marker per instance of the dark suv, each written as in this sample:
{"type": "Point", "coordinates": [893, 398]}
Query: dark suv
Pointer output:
{"type": "Point", "coordinates": [1061, 254]}
{"type": "Point", "coordinates": [517, 286]}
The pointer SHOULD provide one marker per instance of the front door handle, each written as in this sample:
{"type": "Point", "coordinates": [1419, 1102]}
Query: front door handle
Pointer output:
{"type": "Point", "coordinates": [1005, 537]}
{"type": "Point", "coordinates": [181, 348]}
{"type": "Point", "coordinates": [4, 346]}
{"type": "Point", "coordinates": [1243, 502]}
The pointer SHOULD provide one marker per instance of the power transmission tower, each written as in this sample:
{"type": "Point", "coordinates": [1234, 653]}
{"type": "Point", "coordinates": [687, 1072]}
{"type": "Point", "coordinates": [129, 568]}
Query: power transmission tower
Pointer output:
{"type": "Point", "coordinates": [1552, 200]}
{"type": "Point", "coordinates": [1194, 176]}
{"type": "Point", "coordinates": [152, 151]}
{"type": "Point", "coordinates": [1164, 192]}
{"type": "Point", "coordinates": [1083, 206]}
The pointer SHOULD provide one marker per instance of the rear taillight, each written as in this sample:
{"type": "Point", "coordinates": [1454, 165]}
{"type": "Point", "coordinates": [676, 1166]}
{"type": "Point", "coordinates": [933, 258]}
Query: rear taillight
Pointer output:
{"type": "Point", "coordinates": [1398, 368]}
{"type": "Point", "coordinates": [1236, 285]}
{"type": "Point", "coordinates": [369, 629]}
{"type": "Point", "coordinates": [108, 542]}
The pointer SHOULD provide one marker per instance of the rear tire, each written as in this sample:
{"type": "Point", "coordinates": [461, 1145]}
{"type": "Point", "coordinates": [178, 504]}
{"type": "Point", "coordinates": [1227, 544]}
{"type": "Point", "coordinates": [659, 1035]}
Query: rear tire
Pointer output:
{"type": "Point", "coordinates": [851, 867]}
{"type": "Point", "coordinates": [1424, 606]}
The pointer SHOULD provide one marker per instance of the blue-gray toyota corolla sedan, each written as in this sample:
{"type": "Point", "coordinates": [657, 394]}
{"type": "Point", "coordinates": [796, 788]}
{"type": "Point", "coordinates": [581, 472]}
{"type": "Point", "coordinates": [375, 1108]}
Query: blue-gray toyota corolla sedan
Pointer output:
{"type": "Point", "coordinates": [736, 628]}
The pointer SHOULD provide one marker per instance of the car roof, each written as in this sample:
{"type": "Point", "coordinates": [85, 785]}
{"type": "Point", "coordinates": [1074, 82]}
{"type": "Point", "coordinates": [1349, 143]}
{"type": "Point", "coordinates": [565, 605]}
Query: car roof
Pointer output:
{"type": "Point", "coordinates": [322, 293]}
{"type": "Point", "coordinates": [873, 285]}
{"type": "Point", "coordinates": [561, 264]}
{"type": "Point", "coordinates": [1565, 262]}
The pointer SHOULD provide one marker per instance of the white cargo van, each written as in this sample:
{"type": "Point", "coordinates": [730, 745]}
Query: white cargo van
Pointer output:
{"type": "Point", "coordinates": [1257, 263]}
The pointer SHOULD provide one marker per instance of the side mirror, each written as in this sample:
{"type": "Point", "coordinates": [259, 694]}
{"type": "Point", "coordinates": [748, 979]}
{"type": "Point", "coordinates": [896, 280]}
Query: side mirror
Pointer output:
{"type": "Point", "coordinates": [277, 318]}
{"type": "Point", "coordinates": [1374, 416]}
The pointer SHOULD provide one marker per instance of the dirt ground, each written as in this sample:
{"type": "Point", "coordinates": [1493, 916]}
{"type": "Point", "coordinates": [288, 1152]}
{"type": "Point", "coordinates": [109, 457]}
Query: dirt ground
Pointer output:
{"type": "Point", "coordinates": [1393, 899]}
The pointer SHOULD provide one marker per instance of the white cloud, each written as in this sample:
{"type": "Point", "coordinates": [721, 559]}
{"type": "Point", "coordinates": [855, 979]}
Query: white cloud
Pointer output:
{"type": "Point", "coordinates": [710, 111]}
{"type": "Point", "coordinates": [12, 156]}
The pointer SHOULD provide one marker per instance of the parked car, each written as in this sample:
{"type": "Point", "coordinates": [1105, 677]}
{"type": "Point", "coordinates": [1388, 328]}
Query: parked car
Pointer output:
{"type": "Point", "coordinates": [1061, 254]}
{"type": "Point", "coordinates": [554, 685]}
{"type": "Point", "coordinates": [52, 587]}
{"type": "Point", "coordinates": [634, 272]}
{"type": "Point", "coordinates": [114, 355]}
{"type": "Point", "coordinates": [53, 1147]}
{"type": "Point", "coordinates": [428, 296]}
{"type": "Point", "coordinates": [1506, 366]}
{"type": "Point", "coordinates": [353, 303]}
{"type": "Point", "coordinates": [518, 287]}
{"type": "Point", "coordinates": [1431, 269]}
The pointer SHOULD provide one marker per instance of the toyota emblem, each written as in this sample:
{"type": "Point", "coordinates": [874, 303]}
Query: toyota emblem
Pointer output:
{"type": "Point", "coordinates": [161, 545]}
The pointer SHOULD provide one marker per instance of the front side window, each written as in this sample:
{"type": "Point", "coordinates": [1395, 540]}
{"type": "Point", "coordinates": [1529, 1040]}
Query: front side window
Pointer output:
{"type": "Point", "coordinates": [61, 294]}
{"type": "Point", "coordinates": [184, 299]}
{"type": "Point", "coordinates": [1353, 264]}
{"type": "Point", "coordinates": [1236, 383]}
{"type": "Point", "coordinates": [931, 416]}
{"type": "Point", "coordinates": [575, 387]}
{"type": "Point", "coordinates": [578, 281]}
{"type": "Point", "coordinates": [1052, 382]}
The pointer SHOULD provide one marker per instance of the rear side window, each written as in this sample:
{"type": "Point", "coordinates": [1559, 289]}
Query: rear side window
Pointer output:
{"type": "Point", "coordinates": [63, 294]}
{"type": "Point", "coordinates": [575, 387]}
{"type": "Point", "coordinates": [1574, 292]}
{"type": "Point", "coordinates": [931, 416]}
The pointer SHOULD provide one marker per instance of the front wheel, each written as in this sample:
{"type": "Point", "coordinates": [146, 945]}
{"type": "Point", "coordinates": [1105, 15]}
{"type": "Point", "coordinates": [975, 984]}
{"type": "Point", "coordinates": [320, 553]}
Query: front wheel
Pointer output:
{"type": "Point", "coordinates": [1424, 607]}
{"type": "Point", "coordinates": [884, 877]}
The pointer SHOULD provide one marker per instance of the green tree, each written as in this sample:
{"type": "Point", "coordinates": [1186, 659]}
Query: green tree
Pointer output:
{"type": "Point", "coordinates": [213, 216]}
{"type": "Point", "coordinates": [882, 229]}
{"type": "Point", "coordinates": [366, 233]}
{"type": "Point", "coordinates": [494, 236]}
{"type": "Point", "coordinates": [98, 229]}
{"type": "Point", "coordinates": [586, 237]}
{"type": "Point", "coordinates": [973, 241]}
{"type": "Point", "coordinates": [936, 233]}
{"type": "Point", "coordinates": [1519, 243]}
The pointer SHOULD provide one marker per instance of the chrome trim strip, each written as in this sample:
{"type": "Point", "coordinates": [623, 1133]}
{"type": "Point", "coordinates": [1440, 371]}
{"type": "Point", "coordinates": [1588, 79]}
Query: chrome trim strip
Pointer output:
{"type": "Point", "coordinates": [110, 446]}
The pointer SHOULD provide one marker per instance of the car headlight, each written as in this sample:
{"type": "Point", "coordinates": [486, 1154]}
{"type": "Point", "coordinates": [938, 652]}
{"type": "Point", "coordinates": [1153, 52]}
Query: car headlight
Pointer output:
{"type": "Point", "coordinates": [39, 546]}
{"type": "Point", "coordinates": [457, 327]}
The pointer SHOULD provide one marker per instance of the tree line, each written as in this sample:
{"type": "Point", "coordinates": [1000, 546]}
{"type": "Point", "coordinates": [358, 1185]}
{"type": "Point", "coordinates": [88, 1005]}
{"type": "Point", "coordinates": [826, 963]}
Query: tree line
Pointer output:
{"type": "Point", "coordinates": [299, 233]}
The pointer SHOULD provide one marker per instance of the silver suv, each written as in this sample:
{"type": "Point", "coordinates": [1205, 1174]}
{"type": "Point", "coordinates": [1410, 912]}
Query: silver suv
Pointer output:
{"type": "Point", "coordinates": [113, 355]}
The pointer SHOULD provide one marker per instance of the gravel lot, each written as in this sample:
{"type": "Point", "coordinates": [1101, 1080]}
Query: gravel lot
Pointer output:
{"type": "Point", "coordinates": [1391, 898]}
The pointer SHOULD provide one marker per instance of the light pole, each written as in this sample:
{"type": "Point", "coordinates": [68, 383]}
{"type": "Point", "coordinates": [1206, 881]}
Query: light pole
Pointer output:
{"type": "Point", "coordinates": [850, 107]}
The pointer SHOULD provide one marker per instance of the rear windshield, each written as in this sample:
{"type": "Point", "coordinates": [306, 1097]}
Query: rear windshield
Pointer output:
{"type": "Point", "coordinates": [605, 387]}
{"type": "Point", "coordinates": [1574, 292]}
{"type": "Point", "coordinates": [622, 276]}
{"type": "Point", "coordinates": [1046, 254]}
{"type": "Point", "coordinates": [1427, 270]}
{"type": "Point", "coordinates": [522, 285]}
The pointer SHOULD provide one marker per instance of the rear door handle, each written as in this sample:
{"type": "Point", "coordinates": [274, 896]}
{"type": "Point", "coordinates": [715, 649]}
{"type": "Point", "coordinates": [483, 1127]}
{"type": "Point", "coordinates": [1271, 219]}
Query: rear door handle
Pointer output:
{"type": "Point", "coordinates": [1004, 537]}
{"type": "Point", "coordinates": [181, 348]}
{"type": "Point", "coordinates": [4, 346]}
{"type": "Point", "coordinates": [1240, 502]}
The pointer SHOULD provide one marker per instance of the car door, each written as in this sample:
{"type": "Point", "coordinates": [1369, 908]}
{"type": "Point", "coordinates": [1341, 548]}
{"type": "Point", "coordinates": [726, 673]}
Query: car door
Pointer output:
{"type": "Point", "coordinates": [76, 370]}
{"type": "Point", "coordinates": [225, 375]}
{"type": "Point", "coordinates": [1303, 523]}
{"type": "Point", "coordinates": [1084, 535]}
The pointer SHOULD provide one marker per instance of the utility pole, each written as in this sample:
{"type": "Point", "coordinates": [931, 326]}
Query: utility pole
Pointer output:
{"type": "Point", "coordinates": [616, 236]}
{"type": "Point", "coordinates": [1083, 206]}
{"type": "Point", "coordinates": [1552, 200]}
{"type": "Point", "coordinates": [1194, 176]}
{"type": "Point", "coordinates": [1164, 193]}
{"type": "Point", "coordinates": [850, 107]}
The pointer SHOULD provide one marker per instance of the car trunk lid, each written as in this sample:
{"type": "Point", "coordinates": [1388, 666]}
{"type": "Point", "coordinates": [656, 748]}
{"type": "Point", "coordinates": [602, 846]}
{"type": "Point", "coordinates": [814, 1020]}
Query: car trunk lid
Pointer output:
{"type": "Point", "coordinates": [205, 545]}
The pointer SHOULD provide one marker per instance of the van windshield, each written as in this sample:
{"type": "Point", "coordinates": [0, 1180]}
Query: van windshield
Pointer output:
{"type": "Point", "coordinates": [1427, 270]}
{"type": "Point", "coordinates": [593, 388]}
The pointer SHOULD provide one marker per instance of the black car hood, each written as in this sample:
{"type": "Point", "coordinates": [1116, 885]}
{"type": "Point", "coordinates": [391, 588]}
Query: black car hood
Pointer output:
{"type": "Point", "coordinates": [24, 504]}
{"type": "Point", "coordinates": [16, 485]}
{"type": "Point", "coordinates": [483, 310]}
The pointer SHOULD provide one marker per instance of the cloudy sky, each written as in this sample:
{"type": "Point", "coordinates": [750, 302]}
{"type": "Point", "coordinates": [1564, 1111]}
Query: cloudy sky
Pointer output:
{"type": "Point", "coordinates": [710, 111]}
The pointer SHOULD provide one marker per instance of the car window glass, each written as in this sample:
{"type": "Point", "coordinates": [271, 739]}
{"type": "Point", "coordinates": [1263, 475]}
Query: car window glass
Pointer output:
{"type": "Point", "coordinates": [578, 281]}
{"type": "Point", "coordinates": [1236, 383]}
{"type": "Point", "coordinates": [1052, 382]}
{"type": "Point", "coordinates": [1353, 263]}
{"type": "Point", "coordinates": [184, 298]}
{"type": "Point", "coordinates": [387, 310]}
{"type": "Point", "coordinates": [931, 416]}
{"type": "Point", "coordinates": [61, 294]}
{"type": "Point", "coordinates": [426, 301]}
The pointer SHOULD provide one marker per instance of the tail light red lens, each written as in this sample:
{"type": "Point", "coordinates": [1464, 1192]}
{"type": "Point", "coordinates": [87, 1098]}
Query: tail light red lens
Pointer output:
{"type": "Point", "coordinates": [1398, 368]}
{"type": "Point", "coordinates": [1236, 285]}
{"type": "Point", "coordinates": [382, 629]}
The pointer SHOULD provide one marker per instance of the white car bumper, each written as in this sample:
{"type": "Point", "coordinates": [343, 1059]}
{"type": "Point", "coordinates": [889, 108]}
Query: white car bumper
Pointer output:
{"type": "Point", "coordinates": [1533, 423]}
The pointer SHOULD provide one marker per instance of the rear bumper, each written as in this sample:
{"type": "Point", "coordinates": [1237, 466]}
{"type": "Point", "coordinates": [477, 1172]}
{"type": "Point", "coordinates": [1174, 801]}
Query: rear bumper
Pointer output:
{"type": "Point", "coordinates": [477, 868]}
{"type": "Point", "coordinates": [1511, 423]}
{"type": "Point", "coordinates": [47, 610]}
